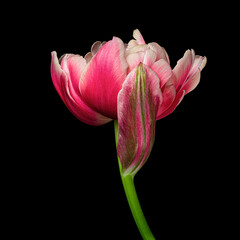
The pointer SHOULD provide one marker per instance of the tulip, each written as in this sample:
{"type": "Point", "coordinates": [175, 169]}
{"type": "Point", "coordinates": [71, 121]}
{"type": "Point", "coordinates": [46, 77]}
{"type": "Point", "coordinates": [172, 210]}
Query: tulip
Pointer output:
{"type": "Point", "coordinates": [132, 84]}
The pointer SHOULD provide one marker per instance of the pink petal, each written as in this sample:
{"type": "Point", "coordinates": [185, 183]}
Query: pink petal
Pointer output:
{"type": "Point", "coordinates": [177, 100]}
{"type": "Point", "coordinates": [73, 66]}
{"type": "Point", "coordinates": [66, 80]}
{"type": "Point", "coordinates": [169, 94]}
{"type": "Point", "coordinates": [198, 65]}
{"type": "Point", "coordinates": [163, 70]}
{"type": "Point", "coordinates": [182, 68]}
{"type": "Point", "coordinates": [192, 83]}
{"type": "Point", "coordinates": [193, 77]}
{"type": "Point", "coordinates": [138, 102]}
{"type": "Point", "coordinates": [103, 77]}
{"type": "Point", "coordinates": [187, 77]}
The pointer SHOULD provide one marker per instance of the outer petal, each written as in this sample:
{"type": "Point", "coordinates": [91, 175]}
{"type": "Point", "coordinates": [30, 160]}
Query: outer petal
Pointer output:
{"type": "Point", "coordinates": [193, 77]}
{"type": "Point", "coordinates": [56, 73]}
{"type": "Point", "coordinates": [171, 108]}
{"type": "Point", "coordinates": [192, 83]}
{"type": "Point", "coordinates": [167, 79]}
{"type": "Point", "coordinates": [198, 65]}
{"type": "Point", "coordinates": [187, 74]}
{"type": "Point", "coordinates": [169, 95]}
{"type": "Point", "coordinates": [66, 80]}
{"type": "Point", "coordinates": [182, 68]}
{"type": "Point", "coordinates": [138, 102]}
{"type": "Point", "coordinates": [103, 78]}
{"type": "Point", "coordinates": [73, 66]}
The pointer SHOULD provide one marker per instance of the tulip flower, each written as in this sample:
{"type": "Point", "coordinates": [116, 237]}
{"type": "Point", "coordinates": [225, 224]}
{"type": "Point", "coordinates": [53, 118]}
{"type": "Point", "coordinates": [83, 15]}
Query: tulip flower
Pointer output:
{"type": "Point", "coordinates": [132, 84]}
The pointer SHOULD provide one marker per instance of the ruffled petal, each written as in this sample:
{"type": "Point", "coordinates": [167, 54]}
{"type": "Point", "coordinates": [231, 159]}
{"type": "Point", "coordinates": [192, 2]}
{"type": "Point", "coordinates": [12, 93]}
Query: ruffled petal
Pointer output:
{"type": "Point", "coordinates": [193, 77]}
{"type": "Point", "coordinates": [73, 66]}
{"type": "Point", "coordinates": [198, 65]}
{"type": "Point", "coordinates": [132, 43]}
{"type": "Point", "coordinates": [66, 79]}
{"type": "Point", "coordinates": [169, 95]}
{"type": "Point", "coordinates": [138, 36]}
{"type": "Point", "coordinates": [138, 102]}
{"type": "Point", "coordinates": [171, 108]}
{"type": "Point", "coordinates": [186, 76]}
{"type": "Point", "coordinates": [103, 78]}
{"type": "Point", "coordinates": [160, 51]}
{"type": "Point", "coordinates": [163, 70]}
{"type": "Point", "coordinates": [192, 83]}
{"type": "Point", "coordinates": [182, 68]}
{"type": "Point", "coordinates": [149, 57]}
{"type": "Point", "coordinates": [94, 49]}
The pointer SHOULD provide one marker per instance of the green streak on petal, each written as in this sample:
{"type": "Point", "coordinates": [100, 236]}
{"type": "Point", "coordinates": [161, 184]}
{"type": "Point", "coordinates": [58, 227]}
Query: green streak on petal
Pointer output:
{"type": "Point", "coordinates": [142, 97]}
{"type": "Point", "coordinates": [140, 85]}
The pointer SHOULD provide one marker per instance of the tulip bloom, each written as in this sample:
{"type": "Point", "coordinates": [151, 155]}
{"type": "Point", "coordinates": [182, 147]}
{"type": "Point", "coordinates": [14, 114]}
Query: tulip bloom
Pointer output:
{"type": "Point", "coordinates": [132, 84]}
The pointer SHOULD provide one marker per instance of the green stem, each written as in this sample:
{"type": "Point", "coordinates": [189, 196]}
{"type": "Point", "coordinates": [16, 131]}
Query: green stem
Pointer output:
{"type": "Point", "coordinates": [132, 198]}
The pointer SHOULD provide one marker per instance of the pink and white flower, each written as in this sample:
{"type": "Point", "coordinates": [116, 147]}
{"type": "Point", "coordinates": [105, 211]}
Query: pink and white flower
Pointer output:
{"type": "Point", "coordinates": [133, 84]}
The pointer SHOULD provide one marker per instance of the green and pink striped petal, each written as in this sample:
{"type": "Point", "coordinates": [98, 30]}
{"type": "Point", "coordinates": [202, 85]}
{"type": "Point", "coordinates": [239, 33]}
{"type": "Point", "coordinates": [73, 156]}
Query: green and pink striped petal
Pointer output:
{"type": "Point", "coordinates": [138, 103]}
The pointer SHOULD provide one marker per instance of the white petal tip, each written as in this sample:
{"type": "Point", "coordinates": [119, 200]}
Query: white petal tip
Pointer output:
{"type": "Point", "coordinates": [138, 36]}
{"type": "Point", "coordinates": [204, 62]}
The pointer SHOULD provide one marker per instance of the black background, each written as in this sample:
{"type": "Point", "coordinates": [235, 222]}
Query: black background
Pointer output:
{"type": "Point", "coordinates": [68, 184]}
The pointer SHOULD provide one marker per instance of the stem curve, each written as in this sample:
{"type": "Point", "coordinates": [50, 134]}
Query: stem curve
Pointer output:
{"type": "Point", "coordinates": [131, 194]}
